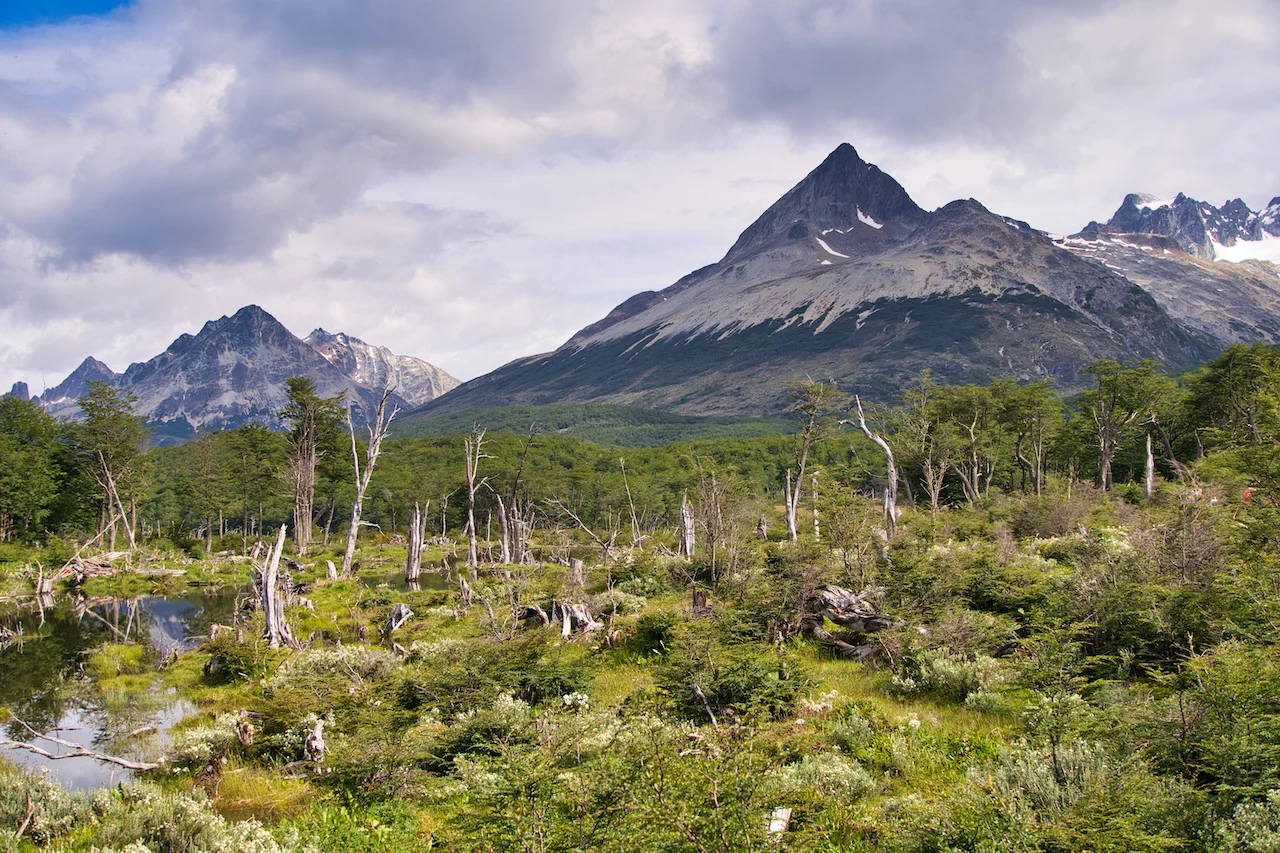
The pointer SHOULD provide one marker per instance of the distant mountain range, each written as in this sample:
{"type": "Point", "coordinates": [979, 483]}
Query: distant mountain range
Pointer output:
{"type": "Point", "coordinates": [846, 278]}
{"type": "Point", "coordinates": [233, 371]}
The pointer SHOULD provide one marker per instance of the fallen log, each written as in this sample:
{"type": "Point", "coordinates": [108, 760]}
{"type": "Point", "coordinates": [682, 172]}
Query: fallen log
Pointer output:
{"type": "Point", "coordinates": [858, 614]}
{"type": "Point", "coordinates": [75, 750]}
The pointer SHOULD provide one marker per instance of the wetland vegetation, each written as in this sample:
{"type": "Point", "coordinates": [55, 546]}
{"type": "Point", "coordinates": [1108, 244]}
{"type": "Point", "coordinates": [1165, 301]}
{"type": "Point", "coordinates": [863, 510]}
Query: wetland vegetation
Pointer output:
{"type": "Point", "coordinates": [1046, 650]}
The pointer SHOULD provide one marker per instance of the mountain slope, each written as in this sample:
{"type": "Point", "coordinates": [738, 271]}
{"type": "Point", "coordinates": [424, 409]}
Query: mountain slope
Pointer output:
{"type": "Point", "coordinates": [845, 277]}
{"type": "Point", "coordinates": [1210, 268]}
{"type": "Point", "coordinates": [414, 380]}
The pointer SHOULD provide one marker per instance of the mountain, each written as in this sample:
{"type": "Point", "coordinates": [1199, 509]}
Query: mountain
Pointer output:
{"type": "Point", "coordinates": [20, 391]}
{"type": "Point", "coordinates": [233, 371]}
{"type": "Point", "coordinates": [846, 278]}
{"type": "Point", "coordinates": [1212, 269]}
{"type": "Point", "coordinates": [414, 381]}
{"type": "Point", "coordinates": [60, 400]}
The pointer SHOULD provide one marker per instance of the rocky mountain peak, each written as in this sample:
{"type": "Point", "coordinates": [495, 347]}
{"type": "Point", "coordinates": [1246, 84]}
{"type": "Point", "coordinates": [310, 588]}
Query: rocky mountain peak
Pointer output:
{"type": "Point", "coordinates": [843, 194]}
{"type": "Point", "coordinates": [414, 380]}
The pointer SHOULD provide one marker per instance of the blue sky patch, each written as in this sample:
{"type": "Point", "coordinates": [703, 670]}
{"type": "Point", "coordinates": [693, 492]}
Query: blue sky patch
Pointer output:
{"type": "Point", "coordinates": [26, 13]}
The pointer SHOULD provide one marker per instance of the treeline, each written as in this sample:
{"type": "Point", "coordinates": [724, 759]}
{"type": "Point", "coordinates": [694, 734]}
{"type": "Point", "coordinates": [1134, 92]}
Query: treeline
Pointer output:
{"type": "Point", "coordinates": [952, 445]}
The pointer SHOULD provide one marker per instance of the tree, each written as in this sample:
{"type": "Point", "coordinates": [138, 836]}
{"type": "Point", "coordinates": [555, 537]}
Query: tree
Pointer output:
{"type": "Point", "coordinates": [29, 473]}
{"type": "Point", "coordinates": [315, 424]}
{"type": "Point", "coordinates": [812, 401]}
{"type": "Point", "coordinates": [1237, 395]}
{"type": "Point", "coordinates": [112, 439]}
{"type": "Point", "coordinates": [925, 438]}
{"type": "Point", "coordinates": [473, 446]}
{"type": "Point", "coordinates": [257, 457]}
{"type": "Point", "coordinates": [1121, 400]}
{"type": "Point", "coordinates": [378, 429]}
{"type": "Point", "coordinates": [206, 482]}
{"type": "Point", "coordinates": [1031, 414]}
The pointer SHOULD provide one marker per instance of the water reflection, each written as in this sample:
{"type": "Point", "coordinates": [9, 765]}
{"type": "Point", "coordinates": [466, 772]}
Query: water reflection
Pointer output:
{"type": "Point", "coordinates": [44, 681]}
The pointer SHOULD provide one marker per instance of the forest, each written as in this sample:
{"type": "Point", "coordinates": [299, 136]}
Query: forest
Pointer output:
{"type": "Point", "coordinates": [982, 618]}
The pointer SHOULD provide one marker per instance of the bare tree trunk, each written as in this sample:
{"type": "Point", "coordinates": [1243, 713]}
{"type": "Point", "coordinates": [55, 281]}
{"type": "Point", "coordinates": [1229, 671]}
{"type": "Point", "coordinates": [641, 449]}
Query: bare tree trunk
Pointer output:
{"type": "Point", "coordinates": [413, 565]}
{"type": "Point", "coordinates": [504, 531]}
{"type": "Point", "coordinates": [377, 432]}
{"type": "Point", "coordinates": [276, 631]}
{"type": "Point", "coordinates": [891, 487]}
{"type": "Point", "coordinates": [791, 499]}
{"type": "Point", "coordinates": [635, 522]}
{"type": "Point", "coordinates": [687, 536]}
{"type": "Point", "coordinates": [817, 531]}
{"type": "Point", "coordinates": [1151, 470]}
{"type": "Point", "coordinates": [473, 445]}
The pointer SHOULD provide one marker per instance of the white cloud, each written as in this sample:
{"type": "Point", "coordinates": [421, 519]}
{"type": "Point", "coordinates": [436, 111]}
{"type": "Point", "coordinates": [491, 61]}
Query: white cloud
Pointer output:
{"type": "Point", "coordinates": [473, 182]}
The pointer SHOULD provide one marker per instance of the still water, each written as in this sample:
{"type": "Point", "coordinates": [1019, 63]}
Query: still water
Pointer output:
{"type": "Point", "coordinates": [43, 678]}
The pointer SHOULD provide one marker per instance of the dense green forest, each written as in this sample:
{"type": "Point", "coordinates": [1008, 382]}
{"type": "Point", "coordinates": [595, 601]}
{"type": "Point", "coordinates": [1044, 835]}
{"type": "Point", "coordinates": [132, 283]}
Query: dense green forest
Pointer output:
{"type": "Point", "coordinates": [623, 426]}
{"type": "Point", "coordinates": [983, 618]}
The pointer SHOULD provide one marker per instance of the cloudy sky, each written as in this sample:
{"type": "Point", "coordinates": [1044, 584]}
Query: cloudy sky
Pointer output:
{"type": "Point", "coordinates": [471, 182]}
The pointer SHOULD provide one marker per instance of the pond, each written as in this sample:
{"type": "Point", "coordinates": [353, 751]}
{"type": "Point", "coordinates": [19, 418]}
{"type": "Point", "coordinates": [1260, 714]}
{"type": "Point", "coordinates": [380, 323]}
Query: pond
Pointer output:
{"type": "Point", "coordinates": [43, 677]}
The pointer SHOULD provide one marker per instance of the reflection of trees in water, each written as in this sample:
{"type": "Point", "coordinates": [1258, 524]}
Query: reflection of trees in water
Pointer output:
{"type": "Point", "coordinates": [43, 677]}
{"type": "Point", "coordinates": [40, 673]}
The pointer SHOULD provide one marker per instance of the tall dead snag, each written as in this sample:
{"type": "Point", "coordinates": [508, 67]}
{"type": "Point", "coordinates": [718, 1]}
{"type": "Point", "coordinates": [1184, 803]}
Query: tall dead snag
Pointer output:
{"type": "Point", "coordinates": [811, 400]}
{"type": "Point", "coordinates": [891, 484]}
{"type": "Point", "coordinates": [511, 524]}
{"type": "Point", "coordinates": [687, 541]}
{"type": "Point", "coordinates": [378, 430]}
{"type": "Point", "coordinates": [605, 547]}
{"type": "Point", "coordinates": [276, 631]}
{"type": "Point", "coordinates": [417, 537]}
{"type": "Point", "coordinates": [473, 446]}
{"type": "Point", "coordinates": [1151, 470]}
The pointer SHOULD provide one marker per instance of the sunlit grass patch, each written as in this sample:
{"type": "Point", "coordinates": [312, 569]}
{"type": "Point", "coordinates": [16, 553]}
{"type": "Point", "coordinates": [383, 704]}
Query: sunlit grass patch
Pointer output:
{"type": "Point", "coordinates": [612, 686]}
{"type": "Point", "coordinates": [247, 792]}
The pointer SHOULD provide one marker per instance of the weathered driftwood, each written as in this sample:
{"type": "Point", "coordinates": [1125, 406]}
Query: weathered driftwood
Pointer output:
{"type": "Point", "coordinates": [858, 614]}
{"type": "Point", "coordinates": [399, 615]}
{"type": "Point", "coordinates": [74, 750]}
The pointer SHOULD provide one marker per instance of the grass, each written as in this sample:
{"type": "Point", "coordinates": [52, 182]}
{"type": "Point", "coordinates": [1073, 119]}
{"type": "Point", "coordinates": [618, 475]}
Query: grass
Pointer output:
{"type": "Point", "coordinates": [242, 793]}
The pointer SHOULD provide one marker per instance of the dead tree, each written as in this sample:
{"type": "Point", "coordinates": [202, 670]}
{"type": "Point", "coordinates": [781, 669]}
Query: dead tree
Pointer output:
{"type": "Point", "coordinates": [605, 546]}
{"type": "Point", "coordinates": [1151, 470]}
{"type": "Point", "coordinates": [812, 400]}
{"type": "Point", "coordinates": [891, 484]}
{"type": "Point", "coordinates": [473, 446]}
{"type": "Point", "coordinates": [377, 432]}
{"type": "Point", "coordinates": [687, 540]}
{"type": "Point", "coordinates": [573, 617]}
{"type": "Point", "coordinates": [857, 614]}
{"type": "Point", "coordinates": [276, 631]}
{"type": "Point", "coordinates": [399, 615]}
{"type": "Point", "coordinates": [417, 538]}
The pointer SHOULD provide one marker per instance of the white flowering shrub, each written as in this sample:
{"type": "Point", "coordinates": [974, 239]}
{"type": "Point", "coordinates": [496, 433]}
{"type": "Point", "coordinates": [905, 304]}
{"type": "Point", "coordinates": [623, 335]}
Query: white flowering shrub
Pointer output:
{"type": "Point", "coordinates": [1252, 828]}
{"type": "Point", "coordinates": [826, 774]}
{"type": "Point", "coordinates": [197, 746]}
{"type": "Point", "coordinates": [940, 673]}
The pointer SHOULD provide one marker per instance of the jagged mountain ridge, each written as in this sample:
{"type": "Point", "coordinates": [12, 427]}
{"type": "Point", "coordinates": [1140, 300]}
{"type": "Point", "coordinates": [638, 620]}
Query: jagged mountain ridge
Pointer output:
{"type": "Point", "coordinates": [414, 380]}
{"type": "Point", "coordinates": [231, 372]}
{"type": "Point", "coordinates": [845, 277]}
{"type": "Point", "coordinates": [1212, 269]}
